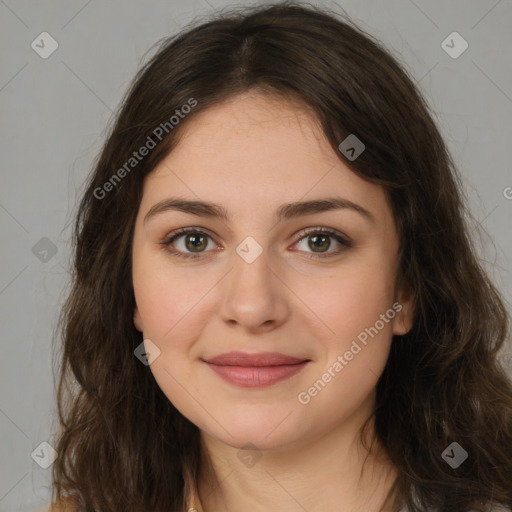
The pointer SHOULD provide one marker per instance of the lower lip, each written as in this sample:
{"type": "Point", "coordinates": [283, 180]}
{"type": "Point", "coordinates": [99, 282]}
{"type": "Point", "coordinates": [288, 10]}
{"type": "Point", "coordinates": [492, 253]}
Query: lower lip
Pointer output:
{"type": "Point", "coordinates": [256, 376]}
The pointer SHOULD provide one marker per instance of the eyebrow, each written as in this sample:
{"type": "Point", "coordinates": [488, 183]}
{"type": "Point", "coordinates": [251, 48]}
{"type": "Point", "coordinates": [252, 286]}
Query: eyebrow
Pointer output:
{"type": "Point", "coordinates": [284, 212]}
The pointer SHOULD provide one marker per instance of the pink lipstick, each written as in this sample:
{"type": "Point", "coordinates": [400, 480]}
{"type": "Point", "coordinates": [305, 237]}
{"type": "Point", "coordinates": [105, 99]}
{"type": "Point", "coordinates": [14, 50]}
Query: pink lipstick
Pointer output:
{"type": "Point", "coordinates": [255, 370]}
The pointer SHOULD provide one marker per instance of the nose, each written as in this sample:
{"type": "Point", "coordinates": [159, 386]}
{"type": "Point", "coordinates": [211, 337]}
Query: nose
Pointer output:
{"type": "Point", "coordinates": [255, 297]}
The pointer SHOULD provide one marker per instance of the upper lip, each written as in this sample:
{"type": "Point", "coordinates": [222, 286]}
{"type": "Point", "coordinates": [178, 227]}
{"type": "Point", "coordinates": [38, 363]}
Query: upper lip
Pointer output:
{"type": "Point", "coordinates": [259, 359]}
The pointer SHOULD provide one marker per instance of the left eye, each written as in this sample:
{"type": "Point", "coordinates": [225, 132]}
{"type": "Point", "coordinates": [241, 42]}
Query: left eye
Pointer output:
{"type": "Point", "coordinates": [320, 241]}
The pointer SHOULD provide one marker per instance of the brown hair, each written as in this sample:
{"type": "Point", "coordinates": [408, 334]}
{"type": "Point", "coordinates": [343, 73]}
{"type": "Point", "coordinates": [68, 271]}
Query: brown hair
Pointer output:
{"type": "Point", "coordinates": [122, 444]}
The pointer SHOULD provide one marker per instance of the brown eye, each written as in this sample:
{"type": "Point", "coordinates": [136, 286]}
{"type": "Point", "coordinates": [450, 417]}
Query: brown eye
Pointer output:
{"type": "Point", "coordinates": [195, 242]}
{"type": "Point", "coordinates": [319, 243]}
{"type": "Point", "coordinates": [188, 243]}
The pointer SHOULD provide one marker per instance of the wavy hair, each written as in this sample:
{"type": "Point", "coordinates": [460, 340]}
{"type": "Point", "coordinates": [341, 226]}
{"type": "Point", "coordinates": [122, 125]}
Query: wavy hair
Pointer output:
{"type": "Point", "coordinates": [122, 444]}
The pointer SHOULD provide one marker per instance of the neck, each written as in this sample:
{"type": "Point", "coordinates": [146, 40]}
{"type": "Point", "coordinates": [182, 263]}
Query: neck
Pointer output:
{"type": "Point", "coordinates": [331, 472]}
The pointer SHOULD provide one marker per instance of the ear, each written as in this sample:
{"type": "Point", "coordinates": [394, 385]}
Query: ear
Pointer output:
{"type": "Point", "coordinates": [137, 319]}
{"type": "Point", "coordinates": [404, 306]}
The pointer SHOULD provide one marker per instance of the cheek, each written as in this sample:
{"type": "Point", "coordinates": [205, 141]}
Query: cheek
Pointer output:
{"type": "Point", "coordinates": [349, 305]}
{"type": "Point", "coordinates": [173, 315]}
{"type": "Point", "coordinates": [169, 300]}
{"type": "Point", "coordinates": [355, 356]}
{"type": "Point", "coordinates": [177, 381]}
{"type": "Point", "coordinates": [349, 300]}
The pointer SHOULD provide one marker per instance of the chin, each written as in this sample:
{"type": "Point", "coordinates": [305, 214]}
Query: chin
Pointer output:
{"type": "Point", "coordinates": [265, 432]}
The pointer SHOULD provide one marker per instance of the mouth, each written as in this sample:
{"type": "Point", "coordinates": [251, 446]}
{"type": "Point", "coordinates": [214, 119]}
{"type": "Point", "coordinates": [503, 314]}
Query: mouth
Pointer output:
{"type": "Point", "coordinates": [255, 370]}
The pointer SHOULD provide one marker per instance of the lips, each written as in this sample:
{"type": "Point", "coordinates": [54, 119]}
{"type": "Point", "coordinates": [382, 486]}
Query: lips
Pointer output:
{"type": "Point", "coordinates": [260, 359]}
{"type": "Point", "coordinates": [255, 370]}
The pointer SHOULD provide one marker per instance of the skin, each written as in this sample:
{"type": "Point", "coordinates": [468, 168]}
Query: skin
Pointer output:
{"type": "Point", "coordinates": [251, 154]}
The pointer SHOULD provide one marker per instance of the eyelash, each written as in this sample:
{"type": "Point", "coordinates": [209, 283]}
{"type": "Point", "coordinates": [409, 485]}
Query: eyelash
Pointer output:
{"type": "Point", "coordinates": [344, 242]}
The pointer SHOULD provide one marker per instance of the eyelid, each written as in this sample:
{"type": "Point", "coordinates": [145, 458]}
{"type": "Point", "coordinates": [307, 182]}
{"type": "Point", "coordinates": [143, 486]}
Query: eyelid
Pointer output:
{"type": "Point", "coordinates": [321, 229]}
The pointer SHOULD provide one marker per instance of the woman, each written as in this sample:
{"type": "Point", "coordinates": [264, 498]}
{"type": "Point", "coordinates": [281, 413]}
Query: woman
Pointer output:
{"type": "Point", "coordinates": [276, 304]}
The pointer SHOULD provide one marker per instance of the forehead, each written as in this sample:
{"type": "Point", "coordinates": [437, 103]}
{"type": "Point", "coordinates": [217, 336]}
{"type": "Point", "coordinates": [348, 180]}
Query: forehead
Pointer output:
{"type": "Point", "coordinates": [253, 151]}
{"type": "Point", "coordinates": [254, 128]}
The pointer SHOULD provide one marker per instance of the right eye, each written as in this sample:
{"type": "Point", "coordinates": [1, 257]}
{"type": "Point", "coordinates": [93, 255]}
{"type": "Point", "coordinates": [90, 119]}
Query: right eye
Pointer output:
{"type": "Point", "coordinates": [180, 242]}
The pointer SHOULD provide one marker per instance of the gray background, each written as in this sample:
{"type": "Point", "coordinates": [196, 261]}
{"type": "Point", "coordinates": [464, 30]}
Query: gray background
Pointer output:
{"type": "Point", "coordinates": [54, 112]}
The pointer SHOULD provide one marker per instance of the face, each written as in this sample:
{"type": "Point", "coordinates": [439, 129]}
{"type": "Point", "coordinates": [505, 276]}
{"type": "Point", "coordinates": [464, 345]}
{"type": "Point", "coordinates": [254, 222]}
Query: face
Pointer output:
{"type": "Point", "coordinates": [303, 294]}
